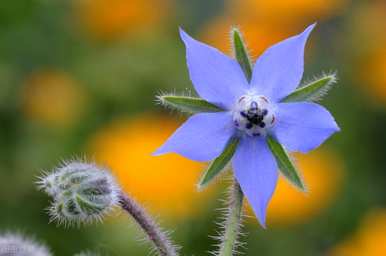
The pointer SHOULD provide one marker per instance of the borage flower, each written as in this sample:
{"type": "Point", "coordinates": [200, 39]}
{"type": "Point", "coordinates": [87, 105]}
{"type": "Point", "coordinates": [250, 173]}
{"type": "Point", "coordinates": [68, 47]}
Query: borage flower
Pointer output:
{"type": "Point", "coordinates": [250, 116]}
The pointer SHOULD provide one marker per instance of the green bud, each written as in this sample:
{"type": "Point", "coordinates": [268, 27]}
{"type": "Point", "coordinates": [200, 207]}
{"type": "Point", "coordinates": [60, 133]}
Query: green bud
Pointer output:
{"type": "Point", "coordinates": [81, 192]}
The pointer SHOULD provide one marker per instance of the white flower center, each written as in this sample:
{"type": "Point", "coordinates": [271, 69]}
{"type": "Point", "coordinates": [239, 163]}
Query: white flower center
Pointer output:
{"type": "Point", "coordinates": [253, 114]}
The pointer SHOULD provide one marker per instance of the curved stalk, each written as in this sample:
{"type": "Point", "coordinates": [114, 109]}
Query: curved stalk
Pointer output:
{"type": "Point", "coordinates": [149, 226]}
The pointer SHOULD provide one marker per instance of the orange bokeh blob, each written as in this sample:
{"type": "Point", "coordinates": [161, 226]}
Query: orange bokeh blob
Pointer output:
{"type": "Point", "coordinates": [264, 23]}
{"type": "Point", "coordinates": [370, 239]}
{"type": "Point", "coordinates": [292, 11]}
{"type": "Point", "coordinates": [368, 43]}
{"type": "Point", "coordinates": [322, 171]}
{"type": "Point", "coordinates": [257, 36]}
{"type": "Point", "coordinates": [371, 72]}
{"type": "Point", "coordinates": [52, 97]}
{"type": "Point", "coordinates": [111, 19]}
{"type": "Point", "coordinates": [165, 184]}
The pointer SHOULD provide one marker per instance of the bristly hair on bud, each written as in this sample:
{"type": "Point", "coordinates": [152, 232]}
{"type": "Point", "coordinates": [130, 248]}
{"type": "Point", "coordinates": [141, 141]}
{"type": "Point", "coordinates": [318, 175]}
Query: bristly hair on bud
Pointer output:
{"type": "Point", "coordinates": [81, 192]}
{"type": "Point", "coordinates": [84, 193]}
{"type": "Point", "coordinates": [17, 245]}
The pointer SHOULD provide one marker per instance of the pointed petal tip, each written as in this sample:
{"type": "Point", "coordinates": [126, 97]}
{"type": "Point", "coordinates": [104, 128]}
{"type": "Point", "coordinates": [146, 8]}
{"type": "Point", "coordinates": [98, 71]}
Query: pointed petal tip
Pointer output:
{"type": "Point", "coordinates": [308, 30]}
{"type": "Point", "coordinates": [337, 128]}
{"type": "Point", "coordinates": [181, 30]}
{"type": "Point", "coordinates": [159, 151]}
{"type": "Point", "coordinates": [261, 218]}
{"type": "Point", "coordinates": [184, 36]}
{"type": "Point", "coordinates": [268, 76]}
{"type": "Point", "coordinates": [261, 213]}
{"type": "Point", "coordinates": [155, 153]}
{"type": "Point", "coordinates": [257, 175]}
{"type": "Point", "coordinates": [313, 24]}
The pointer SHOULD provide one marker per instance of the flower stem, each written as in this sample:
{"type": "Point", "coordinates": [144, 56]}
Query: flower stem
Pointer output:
{"type": "Point", "coordinates": [232, 222]}
{"type": "Point", "coordinates": [233, 218]}
{"type": "Point", "coordinates": [160, 240]}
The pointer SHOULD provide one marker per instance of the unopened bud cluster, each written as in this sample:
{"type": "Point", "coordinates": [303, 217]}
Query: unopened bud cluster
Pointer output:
{"type": "Point", "coordinates": [81, 192]}
{"type": "Point", "coordinates": [16, 245]}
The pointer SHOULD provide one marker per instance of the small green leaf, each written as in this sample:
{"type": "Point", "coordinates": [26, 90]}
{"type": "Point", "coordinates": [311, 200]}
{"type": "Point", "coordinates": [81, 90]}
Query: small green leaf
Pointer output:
{"type": "Point", "coordinates": [219, 163]}
{"type": "Point", "coordinates": [312, 91]}
{"type": "Point", "coordinates": [241, 54]}
{"type": "Point", "coordinates": [187, 104]}
{"type": "Point", "coordinates": [286, 166]}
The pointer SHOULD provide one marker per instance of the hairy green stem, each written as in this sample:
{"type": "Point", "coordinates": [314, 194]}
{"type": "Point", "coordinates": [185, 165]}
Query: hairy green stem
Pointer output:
{"type": "Point", "coordinates": [232, 222]}
{"type": "Point", "coordinates": [149, 226]}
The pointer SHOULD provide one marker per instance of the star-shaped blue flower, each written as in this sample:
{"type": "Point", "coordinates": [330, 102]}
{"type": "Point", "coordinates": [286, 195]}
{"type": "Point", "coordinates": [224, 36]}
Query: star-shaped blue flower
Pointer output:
{"type": "Point", "coordinates": [252, 110]}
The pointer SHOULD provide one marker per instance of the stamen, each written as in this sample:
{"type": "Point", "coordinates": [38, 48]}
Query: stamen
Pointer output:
{"type": "Point", "coordinates": [253, 115]}
{"type": "Point", "coordinates": [254, 106]}
{"type": "Point", "coordinates": [264, 98]}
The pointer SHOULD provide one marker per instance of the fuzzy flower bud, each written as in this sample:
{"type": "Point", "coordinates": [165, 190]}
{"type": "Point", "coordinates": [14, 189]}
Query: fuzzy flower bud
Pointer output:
{"type": "Point", "coordinates": [16, 245]}
{"type": "Point", "coordinates": [81, 192]}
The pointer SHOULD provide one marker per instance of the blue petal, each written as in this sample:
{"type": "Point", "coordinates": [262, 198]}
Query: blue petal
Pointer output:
{"type": "Point", "coordinates": [215, 76]}
{"type": "Point", "coordinates": [303, 126]}
{"type": "Point", "coordinates": [256, 170]}
{"type": "Point", "coordinates": [201, 138]}
{"type": "Point", "coordinates": [279, 70]}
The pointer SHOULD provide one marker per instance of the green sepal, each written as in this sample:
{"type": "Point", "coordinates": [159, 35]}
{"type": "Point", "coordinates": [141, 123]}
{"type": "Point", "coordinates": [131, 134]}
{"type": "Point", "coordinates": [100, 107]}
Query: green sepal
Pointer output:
{"type": "Point", "coordinates": [88, 207]}
{"type": "Point", "coordinates": [217, 165]}
{"type": "Point", "coordinates": [241, 53]}
{"type": "Point", "coordinates": [312, 91]}
{"type": "Point", "coordinates": [286, 166]}
{"type": "Point", "coordinates": [188, 104]}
